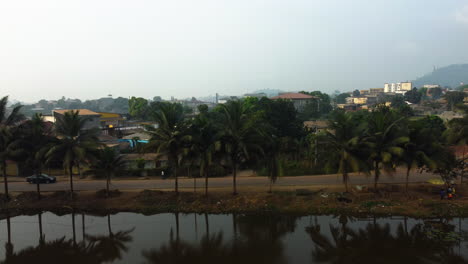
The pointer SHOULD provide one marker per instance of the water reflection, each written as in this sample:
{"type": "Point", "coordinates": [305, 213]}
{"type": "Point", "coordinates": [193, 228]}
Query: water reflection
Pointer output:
{"type": "Point", "coordinates": [92, 249]}
{"type": "Point", "coordinates": [428, 242]}
{"type": "Point", "coordinates": [258, 241]}
{"type": "Point", "coordinates": [229, 239]}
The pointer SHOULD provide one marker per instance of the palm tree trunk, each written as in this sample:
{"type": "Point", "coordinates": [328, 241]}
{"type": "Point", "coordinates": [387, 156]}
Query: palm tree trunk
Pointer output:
{"type": "Point", "coordinates": [38, 189]}
{"type": "Point", "coordinates": [41, 236]}
{"type": "Point", "coordinates": [408, 169]}
{"type": "Point", "coordinates": [345, 180]}
{"type": "Point", "coordinates": [5, 181]}
{"type": "Point", "coordinates": [8, 229]}
{"type": "Point", "coordinates": [234, 176]}
{"type": "Point", "coordinates": [271, 186]}
{"type": "Point", "coordinates": [73, 226]}
{"type": "Point", "coordinates": [107, 184]}
{"type": "Point", "coordinates": [463, 168]}
{"type": "Point", "coordinates": [38, 186]}
{"type": "Point", "coordinates": [176, 181]}
{"type": "Point", "coordinates": [109, 225]}
{"type": "Point", "coordinates": [83, 226]}
{"type": "Point", "coordinates": [206, 183]}
{"type": "Point", "coordinates": [70, 174]}
{"type": "Point", "coordinates": [194, 180]}
{"type": "Point", "coordinates": [207, 225]}
{"type": "Point", "coordinates": [177, 225]}
{"type": "Point", "coordinates": [376, 176]}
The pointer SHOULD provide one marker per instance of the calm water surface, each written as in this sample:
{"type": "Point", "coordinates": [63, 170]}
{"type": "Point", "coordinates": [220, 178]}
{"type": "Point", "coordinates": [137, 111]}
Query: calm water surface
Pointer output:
{"type": "Point", "coordinates": [195, 238]}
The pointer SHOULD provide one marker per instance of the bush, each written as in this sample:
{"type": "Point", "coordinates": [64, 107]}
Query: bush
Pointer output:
{"type": "Point", "coordinates": [297, 168]}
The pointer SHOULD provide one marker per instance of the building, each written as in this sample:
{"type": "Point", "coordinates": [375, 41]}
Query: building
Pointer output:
{"type": "Point", "coordinates": [299, 100]}
{"type": "Point", "coordinates": [376, 91]}
{"type": "Point", "coordinates": [431, 86]}
{"type": "Point", "coordinates": [316, 126]}
{"type": "Point", "coordinates": [371, 99]}
{"type": "Point", "coordinates": [144, 160]}
{"type": "Point", "coordinates": [111, 120]}
{"type": "Point", "coordinates": [398, 88]}
{"type": "Point", "coordinates": [364, 92]}
{"type": "Point", "coordinates": [92, 118]}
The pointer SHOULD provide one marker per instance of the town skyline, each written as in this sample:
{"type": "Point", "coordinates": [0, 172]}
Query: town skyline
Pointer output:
{"type": "Point", "coordinates": [87, 50]}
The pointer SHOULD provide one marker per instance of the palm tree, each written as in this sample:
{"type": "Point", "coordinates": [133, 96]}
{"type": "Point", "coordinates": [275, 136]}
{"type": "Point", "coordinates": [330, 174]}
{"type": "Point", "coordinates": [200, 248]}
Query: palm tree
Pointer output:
{"type": "Point", "coordinates": [204, 141]}
{"type": "Point", "coordinates": [8, 142]}
{"type": "Point", "coordinates": [457, 134]}
{"type": "Point", "coordinates": [36, 142]}
{"type": "Point", "coordinates": [10, 149]}
{"type": "Point", "coordinates": [424, 143]}
{"type": "Point", "coordinates": [344, 144]}
{"type": "Point", "coordinates": [74, 143]}
{"type": "Point", "coordinates": [241, 134]}
{"type": "Point", "coordinates": [169, 138]}
{"type": "Point", "coordinates": [385, 138]}
{"type": "Point", "coordinates": [108, 162]}
{"type": "Point", "coordinates": [271, 159]}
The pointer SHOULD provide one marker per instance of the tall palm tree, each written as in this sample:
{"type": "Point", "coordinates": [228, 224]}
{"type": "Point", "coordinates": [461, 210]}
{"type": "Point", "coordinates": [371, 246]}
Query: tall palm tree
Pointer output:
{"type": "Point", "coordinates": [10, 149]}
{"type": "Point", "coordinates": [344, 143]}
{"type": "Point", "coordinates": [271, 159]}
{"type": "Point", "coordinates": [386, 136]}
{"type": "Point", "coordinates": [108, 162]}
{"type": "Point", "coordinates": [74, 143]}
{"type": "Point", "coordinates": [241, 134]}
{"type": "Point", "coordinates": [424, 143]}
{"type": "Point", "coordinates": [36, 142]}
{"type": "Point", "coordinates": [457, 134]}
{"type": "Point", "coordinates": [8, 142]}
{"type": "Point", "coordinates": [169, 138]}
{"type": "Point", "coordinates": [204, 141]}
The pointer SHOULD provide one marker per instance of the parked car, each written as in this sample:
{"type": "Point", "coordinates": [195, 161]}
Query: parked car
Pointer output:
{"type": "Point", "coordinates": [41, 178]}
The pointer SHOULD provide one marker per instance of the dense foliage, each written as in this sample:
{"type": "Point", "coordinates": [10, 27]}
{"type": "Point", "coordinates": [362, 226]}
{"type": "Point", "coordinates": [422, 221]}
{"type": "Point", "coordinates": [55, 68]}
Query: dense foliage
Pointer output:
{"type": "Point", "coordinates": [265, 135]}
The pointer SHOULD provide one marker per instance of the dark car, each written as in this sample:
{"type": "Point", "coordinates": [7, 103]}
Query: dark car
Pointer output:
{"type": "Point", "coordinates": [41, 178]}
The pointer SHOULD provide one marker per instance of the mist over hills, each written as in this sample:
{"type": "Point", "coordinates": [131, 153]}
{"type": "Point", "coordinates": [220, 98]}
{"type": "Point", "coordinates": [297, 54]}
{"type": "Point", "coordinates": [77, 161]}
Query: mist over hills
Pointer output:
{"type": "Point", "coordinates": [452, 76]}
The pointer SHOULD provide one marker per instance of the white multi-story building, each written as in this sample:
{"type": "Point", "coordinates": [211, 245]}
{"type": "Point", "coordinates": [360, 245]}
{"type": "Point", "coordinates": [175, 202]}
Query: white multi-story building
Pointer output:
{"type": "Point", "coordinates": [399, 88]}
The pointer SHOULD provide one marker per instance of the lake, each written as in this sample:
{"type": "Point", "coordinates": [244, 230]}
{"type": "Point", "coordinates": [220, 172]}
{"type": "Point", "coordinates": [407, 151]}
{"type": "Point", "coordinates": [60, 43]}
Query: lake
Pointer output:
{"type": "Point", "coordinates": [207, 238]}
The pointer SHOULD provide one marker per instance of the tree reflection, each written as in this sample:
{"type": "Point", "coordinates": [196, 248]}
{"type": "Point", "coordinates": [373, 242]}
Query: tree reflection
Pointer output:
{"type": "Point", "coordinates": [377, 244]}
{"type": "Point", "coordinates": [258, 241]}
{"type": "Point", "coordinates": [93, 249]}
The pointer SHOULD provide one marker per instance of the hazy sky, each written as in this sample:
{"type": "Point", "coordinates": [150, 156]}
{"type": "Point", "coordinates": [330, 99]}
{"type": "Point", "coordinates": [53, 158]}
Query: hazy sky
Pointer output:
{"type": "Point", "coordinates": [88, 49]}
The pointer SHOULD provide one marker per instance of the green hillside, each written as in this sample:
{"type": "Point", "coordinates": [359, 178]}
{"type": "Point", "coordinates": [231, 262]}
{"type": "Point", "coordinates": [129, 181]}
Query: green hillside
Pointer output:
{"type": "Point", "coordinates": [451, 75]}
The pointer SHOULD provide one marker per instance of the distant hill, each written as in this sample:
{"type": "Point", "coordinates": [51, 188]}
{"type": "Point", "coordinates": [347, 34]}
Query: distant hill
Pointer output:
{"type": "Point", "coordinates": [451, 75]}
{"type": "Point", "coordinates": [269, 92]}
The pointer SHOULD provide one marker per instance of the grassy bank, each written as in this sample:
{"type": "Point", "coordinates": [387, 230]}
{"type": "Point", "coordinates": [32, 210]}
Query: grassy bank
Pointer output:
{"type": "Point", "coordinates": [419, 203]}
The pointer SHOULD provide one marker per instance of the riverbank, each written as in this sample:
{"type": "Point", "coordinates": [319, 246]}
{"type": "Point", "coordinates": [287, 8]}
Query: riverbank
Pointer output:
{"type": "Point", "coordinates": [421, 202]}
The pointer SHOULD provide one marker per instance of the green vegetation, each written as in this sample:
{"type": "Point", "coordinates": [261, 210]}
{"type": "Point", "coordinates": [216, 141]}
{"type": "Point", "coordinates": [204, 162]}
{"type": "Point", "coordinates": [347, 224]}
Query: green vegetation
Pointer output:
{"type": "Point", "coordinates": [265, 135]}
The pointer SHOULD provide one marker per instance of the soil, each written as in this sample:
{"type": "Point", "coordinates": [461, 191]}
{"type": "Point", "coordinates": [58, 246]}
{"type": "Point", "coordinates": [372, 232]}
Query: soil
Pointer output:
{"type": "Point", "coordinates": [422, 201]}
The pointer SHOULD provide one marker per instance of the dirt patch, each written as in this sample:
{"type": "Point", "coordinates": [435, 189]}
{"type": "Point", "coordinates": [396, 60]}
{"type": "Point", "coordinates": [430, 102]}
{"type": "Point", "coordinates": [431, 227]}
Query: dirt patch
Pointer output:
{"type": "Point", "coordinates": [101, 194]}
{"type": "Point", "coordinates": [62, 196]}
{"type": "Point", "coordinates": [27, 196]}
{"type": "Point", "coordinates": [324, 201]}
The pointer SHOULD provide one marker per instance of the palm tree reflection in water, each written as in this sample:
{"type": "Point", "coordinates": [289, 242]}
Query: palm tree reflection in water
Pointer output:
{"type": "Point", "coordinates": [258, 241]}
{"type": "Point", "coordinates": [92, 250]}
{"type": "Point", "coordinates": [426, 242]}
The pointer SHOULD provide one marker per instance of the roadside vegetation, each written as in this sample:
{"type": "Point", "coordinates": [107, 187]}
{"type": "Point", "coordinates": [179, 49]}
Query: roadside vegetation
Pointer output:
{"type": "Point", "coordinates": [265, 135]}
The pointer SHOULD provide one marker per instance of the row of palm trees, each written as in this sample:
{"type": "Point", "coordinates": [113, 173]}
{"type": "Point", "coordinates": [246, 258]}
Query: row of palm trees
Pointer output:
{"type": "Point", "coordinates": [237, 135]}
{"type": "Point", "coordinates": [37, 145]}
{"type": "Point", "coordinates": [232, 134]}
{"type": "Point", "coordinates": [367, 141]}
{"type": "Point", "coordinates": [379, 140]}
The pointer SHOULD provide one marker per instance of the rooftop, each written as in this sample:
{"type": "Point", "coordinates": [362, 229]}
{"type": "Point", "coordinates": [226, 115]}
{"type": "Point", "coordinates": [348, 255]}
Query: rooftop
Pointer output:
{"type": "Point", "coordinates": [82, 112]}
{"type": "Point", "coordinates": [293, 96]}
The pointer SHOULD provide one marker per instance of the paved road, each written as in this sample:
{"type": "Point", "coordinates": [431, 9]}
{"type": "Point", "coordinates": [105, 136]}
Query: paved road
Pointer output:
{"type": "Point", "coordinates": [90, 185]}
